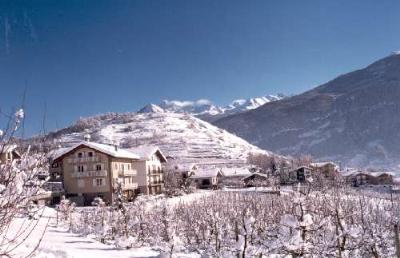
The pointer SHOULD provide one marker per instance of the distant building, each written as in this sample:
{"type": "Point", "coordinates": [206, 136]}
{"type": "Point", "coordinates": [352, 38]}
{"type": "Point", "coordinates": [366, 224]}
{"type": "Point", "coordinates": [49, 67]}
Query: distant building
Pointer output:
{"type": "Point", "coordinates": [256, 179]}
{"type": "Point", "coordinates": [207, 178]}
{"type": "Point", "coordinates": [233, 176]}
{"type": "Point", "coordinates": [326, 169]}
{"type": "Point", "coordinates": [183, 170]}
{"type": "Point", "coordinates": [90, 170]}
{"type": "Point", "coordinates": [368, 178]}
{"type": "Point", "coordinates": [8, 153]}
{"type": "Point", "coordinates": [300, 175]}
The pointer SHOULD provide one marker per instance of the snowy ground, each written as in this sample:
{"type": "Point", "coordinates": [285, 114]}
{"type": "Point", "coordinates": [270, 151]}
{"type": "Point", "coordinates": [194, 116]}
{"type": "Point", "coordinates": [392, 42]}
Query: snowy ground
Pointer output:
{"type": "Point", "coordinates": [59, 242]}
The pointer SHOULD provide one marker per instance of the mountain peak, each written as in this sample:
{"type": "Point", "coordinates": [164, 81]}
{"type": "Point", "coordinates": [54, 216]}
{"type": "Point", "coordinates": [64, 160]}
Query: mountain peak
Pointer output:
{"type": "Point", "coordinates": [206, 110]}
{"type": "Point", "coordinates": [151, 108]}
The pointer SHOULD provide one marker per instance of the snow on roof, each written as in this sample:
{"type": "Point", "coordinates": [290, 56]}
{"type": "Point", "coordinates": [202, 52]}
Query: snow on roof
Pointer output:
{"type": "Point", "coordinates": [7, 147]}
{"type": "Point", "coordinates": [206, 172]}
{"type": "Point", "coordinates": [236, 171]}
{"type": "Point", "coordinates": [145, 152]}
{"type": "Point", "coordinates": [374, 174]}
{"type": "Point", "coordinates": [104, 148]}
{"type": "Point", "coordinates": [257, 174]}
{"type": "Point", "coordinates": [321, 164]}
{"type": "Point", "coordinates": [183, 167]}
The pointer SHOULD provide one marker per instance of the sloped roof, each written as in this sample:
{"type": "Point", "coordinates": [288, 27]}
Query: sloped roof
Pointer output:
{"type": "Point", "coordinates": [104, 148]}
{"type": "Point", "coordinates": [180, 167]}
{"type": "Point", "coordinates": [236, 171]}
{"type": "Point", "coordinates": [7, 147]}
{"type": "Point", "coordinates": [321, 164]}
{"type": "Point", "coordinates": [145, 152]}
{"type": "Point", "coordinates": [206, 172]}
{"type": "Point", "coordinates": [256, 174]}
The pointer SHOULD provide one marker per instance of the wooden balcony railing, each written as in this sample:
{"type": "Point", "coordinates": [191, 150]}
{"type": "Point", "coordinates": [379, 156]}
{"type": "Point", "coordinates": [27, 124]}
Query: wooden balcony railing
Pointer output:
{"type": "Point", "coordinates": [96, 173]}
{"type": "Point", "coordinates": [84, 159]}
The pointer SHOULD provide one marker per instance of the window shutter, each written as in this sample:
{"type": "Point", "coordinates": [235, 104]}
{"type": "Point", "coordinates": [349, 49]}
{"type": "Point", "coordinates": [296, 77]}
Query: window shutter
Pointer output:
{"type": "Point", "coordinates": [94, 182]}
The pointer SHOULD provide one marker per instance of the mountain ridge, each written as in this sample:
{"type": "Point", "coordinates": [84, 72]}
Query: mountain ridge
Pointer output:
{"type": "Point", "coordinates": [350, 119]}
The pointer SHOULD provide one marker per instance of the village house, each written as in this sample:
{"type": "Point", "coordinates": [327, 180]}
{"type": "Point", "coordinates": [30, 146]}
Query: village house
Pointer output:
{"type": "Point", "coordinates": [300, 175]}
{"type": "Point", "coordinates": [177, 175]}
{"type": "Point", "coordinates": [8, 153]}
{"type": "Point", "coordinates": [368, 178]}
{"type": "Point", "coordinates": [233, 176]}
{"type": "Point", "coordinates": [181, 170]}
{"type": "Point", "coordinates": [206, 178]}
{"type": "Point", "coordinates": [328, 170]}
{"type": "Point", "coordinates": [150, 160]}
{"type": "Point", "coordinates": [256, 179]}
{"type": "Point", "coordinates": [90, 170]}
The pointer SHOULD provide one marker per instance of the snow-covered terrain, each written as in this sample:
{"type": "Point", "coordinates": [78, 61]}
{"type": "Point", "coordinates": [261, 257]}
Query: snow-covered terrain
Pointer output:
{"type": "Point", "coordinates": [207, 110]}
{"type": "Point", "coordinates": [351, 119]}
{"type": "Point", "coordinates": [179, 136]}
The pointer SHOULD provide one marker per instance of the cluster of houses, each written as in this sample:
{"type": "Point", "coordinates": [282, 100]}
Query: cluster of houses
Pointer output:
{"type": "Point", "coordinates": [88, 170]}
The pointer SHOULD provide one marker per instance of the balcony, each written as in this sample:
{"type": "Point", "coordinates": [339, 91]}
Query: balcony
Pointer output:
{"type": "Point", "coordinates": [156, 172]}
{"type": "Point", "coordinates": [83, 160]}
{"type": "Point", "coordinates": [130, 186]}
{"type": "Point", "coordinates": [157, 182]}
{"type": "Point", "coordinates": [98, 173]}
{"type": "Point", "coordinates": [131, 172]}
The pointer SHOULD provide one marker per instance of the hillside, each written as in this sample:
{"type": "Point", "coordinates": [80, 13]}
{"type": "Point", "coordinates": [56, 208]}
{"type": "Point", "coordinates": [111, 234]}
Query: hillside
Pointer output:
{"type": "Point", "coordinates": [179, 136]}
{"type": "Point", "coordinates": [352, 119]}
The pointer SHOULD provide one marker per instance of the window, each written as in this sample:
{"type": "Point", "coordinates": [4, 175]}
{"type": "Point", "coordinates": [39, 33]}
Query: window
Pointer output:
{"type": "Point", "coordinates": [81, 183]}
{"type": "Point", "coordinates": [116, 166]}
{"type": "Point", "coordinates": [90, 154]}
{"type": "Point", "coordinates": [99, 181]}
{"type": "Point", "coordinates": [98, 167]}
{"type": "Point", "coordinates": [122, 167]}
{"type": "Point", "coordinates": [55, 165]}
{"type": "Point", "coordinates": [129, 166]}
{"type": "Point", "coordinates": [80, 155]}
{"type": "Point", "coordinates": [80, 168]}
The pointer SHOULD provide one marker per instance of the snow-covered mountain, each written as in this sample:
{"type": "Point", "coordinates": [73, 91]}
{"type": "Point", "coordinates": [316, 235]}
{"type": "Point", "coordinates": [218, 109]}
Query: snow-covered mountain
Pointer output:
{"type": "Point", "coordinates": [352, 119]}
{"type": "Point", "coordinates": [180, 136]}
{"type": "Point", "coordinates": [208, 111]}
{"type": "Point", "coordinates": [151, 108]}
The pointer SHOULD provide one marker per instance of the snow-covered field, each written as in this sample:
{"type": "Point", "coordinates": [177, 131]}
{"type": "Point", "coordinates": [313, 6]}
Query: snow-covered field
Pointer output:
{"type": "Point", "coordinates": [223, 223]}
{"type": "Point", "coordinates": [59, 242]}
{"type": "Point", "coordinates": [56, 240]}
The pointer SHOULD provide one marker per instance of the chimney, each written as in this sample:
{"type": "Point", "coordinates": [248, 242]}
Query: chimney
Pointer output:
{"type": "Point", "coordinates": [115, 143]}
{"type": "Point", "coordinates": [87, 137]}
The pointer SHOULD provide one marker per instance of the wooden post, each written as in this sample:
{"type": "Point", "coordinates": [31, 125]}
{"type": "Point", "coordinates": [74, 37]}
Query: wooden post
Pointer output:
{"type": "Point", "coordinates": [397, 239]}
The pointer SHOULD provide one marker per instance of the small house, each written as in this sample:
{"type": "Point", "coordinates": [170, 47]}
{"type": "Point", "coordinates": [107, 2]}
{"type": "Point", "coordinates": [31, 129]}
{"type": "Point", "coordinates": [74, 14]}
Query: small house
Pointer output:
{"type": "Point", "coordinates": [326, 169]}
{"type": "Point", "coordinates": [300, 175]}
{"type": "Point", "coordinates": [369, 178]}
{"type": "Point", "coordinates": [8, 153]}
{"type": "Point", "coordinates": [207, 178]}
{"type": "Point", "coordinates": [256, 179]}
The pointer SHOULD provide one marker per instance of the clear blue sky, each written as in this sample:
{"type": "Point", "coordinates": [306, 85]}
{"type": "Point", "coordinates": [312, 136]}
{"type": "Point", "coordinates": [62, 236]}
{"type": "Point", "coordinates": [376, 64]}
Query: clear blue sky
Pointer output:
{"type": "Point", "coordinates": [83, 57]}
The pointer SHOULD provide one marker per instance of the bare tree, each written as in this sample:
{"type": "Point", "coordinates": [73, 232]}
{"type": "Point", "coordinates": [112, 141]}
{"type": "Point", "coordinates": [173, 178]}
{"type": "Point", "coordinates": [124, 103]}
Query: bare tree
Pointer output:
{"type": "Point", "coordinates": [19, 186]}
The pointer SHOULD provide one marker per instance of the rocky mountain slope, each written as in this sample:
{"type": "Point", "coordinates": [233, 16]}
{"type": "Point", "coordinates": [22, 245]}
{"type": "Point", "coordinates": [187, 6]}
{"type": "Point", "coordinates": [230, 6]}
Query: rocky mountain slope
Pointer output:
{"type": "Point", "coordinates": [179, 136]}
{"type": "Point", "coordinates": [353, 119]}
